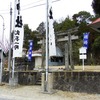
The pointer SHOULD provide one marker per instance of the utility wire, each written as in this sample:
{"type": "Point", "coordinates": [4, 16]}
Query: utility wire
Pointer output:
{"type": "Point", "coordinates": [33, 6]}
{"type": "Point", "coordinates": [38, 5]}
{"type": "Point", "coordinates": [2, 13]}
{"type": "Point", "coordinates": [23, 9]}
{"type": "Point", "coordinates": [4, 10]}
{"type": "Point", "coordinates": [32, 3]}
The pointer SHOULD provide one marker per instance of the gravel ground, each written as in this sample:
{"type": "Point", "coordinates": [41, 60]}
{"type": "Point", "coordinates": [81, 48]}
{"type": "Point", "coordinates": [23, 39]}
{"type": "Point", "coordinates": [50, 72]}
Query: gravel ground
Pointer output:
{"type": "Point", "coordinates": [34, 93]}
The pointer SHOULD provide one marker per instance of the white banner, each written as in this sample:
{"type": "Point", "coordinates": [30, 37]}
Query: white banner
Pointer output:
{"type": "Point", "coordinates": [52, 45]}
{"type": "Point", "coordinates": [18, 32]}
{"type": "Point", "coordinates": [18, 42]}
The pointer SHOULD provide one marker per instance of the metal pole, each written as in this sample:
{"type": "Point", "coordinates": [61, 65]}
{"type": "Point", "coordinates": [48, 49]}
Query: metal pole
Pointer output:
{"type": "Point", "coordinates": [13, 59]}
{"type": "Point", "coordinates": [47, 40]}
{"type": "Point", "coordinates": [83, 63]}
{"type": "Point", "coordinates": [1, 69]}
{"type": "Point", "coordinates": [13, 68]}
{"type": "Point", "coordinates": [9, 58]}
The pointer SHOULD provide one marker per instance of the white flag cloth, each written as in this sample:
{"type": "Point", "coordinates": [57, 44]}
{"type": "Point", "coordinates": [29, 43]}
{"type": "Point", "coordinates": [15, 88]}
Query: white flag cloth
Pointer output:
{"type": "Point", "coordinates": [18, 32]}
{"type": "Point", "coordinates": [52, 45]}
{"type": "Point", "coordinates": [18, 42]}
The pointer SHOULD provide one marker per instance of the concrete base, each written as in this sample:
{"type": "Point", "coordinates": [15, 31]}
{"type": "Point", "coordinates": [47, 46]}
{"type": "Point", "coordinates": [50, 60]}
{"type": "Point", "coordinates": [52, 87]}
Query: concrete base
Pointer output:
{"type": "Point", "coordinates": [46, 92]}
{"type": "Point", "coordinates": [13, 82]}
{"type": "Point", "coordinates": [47, 86]}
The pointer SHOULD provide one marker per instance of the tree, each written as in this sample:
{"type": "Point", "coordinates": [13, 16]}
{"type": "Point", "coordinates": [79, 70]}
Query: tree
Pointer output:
{"type": "Point", "coordinates": [96, 50]}
{"type": "Point", "coordinates": [29, 35]}
{"type": "Point", "coordinates": [64, 25]}
{"type": "Point", "coordinates": [57, 26]}
{"type": "Point", "coordinates": [96, 6]}
{"type": "Point", "coordinates": [82, 17]}
{"type": "Point", "coordinates": [67, 24]}
{"type": "Point", "coordinates": [82, 20]}
{"type": "Point", "coordinates": [41, 28]}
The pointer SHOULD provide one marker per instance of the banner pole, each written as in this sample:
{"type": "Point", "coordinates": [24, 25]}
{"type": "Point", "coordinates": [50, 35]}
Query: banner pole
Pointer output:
{"type": "Point", "coordinates": [1, 65]}
{"type": "Point", "coordinates": [9, 58]}
{"type": "Point", "coordinates": [13, 59]}
{"type": "Point", "coordinates": [47, 40]}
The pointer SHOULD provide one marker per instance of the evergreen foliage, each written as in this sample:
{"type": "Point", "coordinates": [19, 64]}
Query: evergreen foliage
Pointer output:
{"type": "Point", "coordinates": [96, 6]}
{"type": "Point", "coordinates": [80, 20]}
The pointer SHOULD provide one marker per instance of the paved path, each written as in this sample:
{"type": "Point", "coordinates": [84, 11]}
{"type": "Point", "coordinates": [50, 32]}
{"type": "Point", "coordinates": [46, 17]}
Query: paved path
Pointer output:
{"type": "Point", "coordinates": [34, 93]}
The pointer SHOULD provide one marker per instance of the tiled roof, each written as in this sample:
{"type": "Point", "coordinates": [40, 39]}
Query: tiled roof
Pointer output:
{"type": "Point", "coordinates": [95, 25]}
{"type": "Point", "coordinates": [96, 21]}
{"type": "Point", "coordinates": [38, 51]}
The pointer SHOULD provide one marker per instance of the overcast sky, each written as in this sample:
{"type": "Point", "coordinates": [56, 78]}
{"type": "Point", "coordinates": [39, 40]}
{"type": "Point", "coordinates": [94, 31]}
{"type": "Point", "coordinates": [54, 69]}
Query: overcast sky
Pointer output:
{"type": "Point", "coordinates": [33, 15]}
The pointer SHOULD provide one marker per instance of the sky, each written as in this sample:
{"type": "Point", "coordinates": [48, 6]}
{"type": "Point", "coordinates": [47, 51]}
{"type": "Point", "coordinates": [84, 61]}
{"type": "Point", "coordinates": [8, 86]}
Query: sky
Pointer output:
{"type": "Point", "coordinates": [33, 15]}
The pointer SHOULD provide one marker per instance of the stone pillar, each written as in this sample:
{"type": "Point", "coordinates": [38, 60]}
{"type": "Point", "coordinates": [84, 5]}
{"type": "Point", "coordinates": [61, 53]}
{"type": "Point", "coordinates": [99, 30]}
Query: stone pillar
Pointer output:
{"type": "Point", "coordinates": [70, 50]}
{"type": "Point", "coordinates": [43, 83]}
{"type": "Point", "coordinates": [50, 83]}
{"type": "Point", "coordinates": [14, 81]}
{"type": "Point", "coordinates": [66, 57]}
{"type": "Point", "coordinates": [47, 86]}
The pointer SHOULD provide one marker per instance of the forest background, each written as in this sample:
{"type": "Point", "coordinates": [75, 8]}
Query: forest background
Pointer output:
{"type": "Point", "coordinates": [80, 20]}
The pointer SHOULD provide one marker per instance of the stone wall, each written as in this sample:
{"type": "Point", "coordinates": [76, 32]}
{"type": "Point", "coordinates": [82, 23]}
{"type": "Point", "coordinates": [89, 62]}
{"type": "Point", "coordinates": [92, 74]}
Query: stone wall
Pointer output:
{"type": "Point", "coordinates": [88, 82]}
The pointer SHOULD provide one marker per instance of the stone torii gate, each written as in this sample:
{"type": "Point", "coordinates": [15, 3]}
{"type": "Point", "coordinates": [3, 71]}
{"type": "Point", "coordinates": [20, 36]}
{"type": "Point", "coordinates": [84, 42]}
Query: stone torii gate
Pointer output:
{"type": "Point", "coordinates": [67, 38]}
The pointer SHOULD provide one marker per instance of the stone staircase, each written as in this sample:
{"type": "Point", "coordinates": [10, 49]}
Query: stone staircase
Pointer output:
{"type": "Point", "coordinates": [38, 78]}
